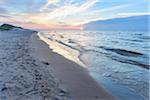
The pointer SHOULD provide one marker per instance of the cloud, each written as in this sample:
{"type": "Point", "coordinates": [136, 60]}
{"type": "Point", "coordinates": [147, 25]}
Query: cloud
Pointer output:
{"type": "Point", "coordinates": [73, 14]}
{"type": "Point", "coordinates": [97, 14]}
{"type": "Point", "coordinates": [5, 16]}
{"type": "Point", "coordinates": [61, 13]}
{"type": "Point", "coordinates": [3, 11]}
{"type": "Point", "coordinates": [2, 1]}
{"type": "Point", "coordinates": [110, 9]}
{"type": "Point", "coordinates": [72, 9]}
{"type": "Point", "coordinates": [53, 1]}
{"type": "Point", "coordinates": [134, 14]}
{"type": "Point", "coordinates": [49, 2]}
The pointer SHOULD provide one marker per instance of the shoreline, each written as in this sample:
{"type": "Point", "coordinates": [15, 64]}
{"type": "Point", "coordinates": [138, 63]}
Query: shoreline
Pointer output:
{"type": "Point", "coordinates": [67, 51]}
{"type": "Point", "coordinates": [106, 78]}
{"type": "Point", "coordinates": [74, 78]}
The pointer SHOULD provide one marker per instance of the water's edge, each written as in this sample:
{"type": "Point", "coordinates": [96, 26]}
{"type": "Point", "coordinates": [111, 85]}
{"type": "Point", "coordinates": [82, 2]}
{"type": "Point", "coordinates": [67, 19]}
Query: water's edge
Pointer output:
{"type": "Point", "coordinates": [75, 54]}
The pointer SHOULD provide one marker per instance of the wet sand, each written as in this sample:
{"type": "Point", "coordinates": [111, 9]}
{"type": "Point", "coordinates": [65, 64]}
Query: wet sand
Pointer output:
{"type": "Point", "coordinates": [71, 76]}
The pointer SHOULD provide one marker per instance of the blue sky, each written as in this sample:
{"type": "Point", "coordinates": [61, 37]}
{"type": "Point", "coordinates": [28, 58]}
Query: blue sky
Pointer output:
{"type": "Point", "coordinates": [67, 13]}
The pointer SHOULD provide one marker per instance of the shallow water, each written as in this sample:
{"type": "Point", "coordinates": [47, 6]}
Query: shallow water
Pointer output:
{"type": "Point", "coordinates": [119, 60]}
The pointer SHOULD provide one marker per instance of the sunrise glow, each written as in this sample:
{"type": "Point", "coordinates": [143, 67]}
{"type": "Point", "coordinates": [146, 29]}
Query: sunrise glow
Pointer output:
{"type": "Point", "coordinates": [67, 14]}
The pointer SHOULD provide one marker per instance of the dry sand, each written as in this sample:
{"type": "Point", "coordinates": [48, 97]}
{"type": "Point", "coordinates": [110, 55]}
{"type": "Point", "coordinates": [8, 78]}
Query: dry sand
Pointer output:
{"type": "Point", "coordinates": [75, 79]}
{"type": "Point", "coordinates": [23, 77]}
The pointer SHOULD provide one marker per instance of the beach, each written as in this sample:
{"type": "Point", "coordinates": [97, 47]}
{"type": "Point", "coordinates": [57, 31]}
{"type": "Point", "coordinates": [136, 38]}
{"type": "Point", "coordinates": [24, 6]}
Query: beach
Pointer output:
{"type": "Point", "coordinates": [117, 62]}
{"type": "Point", "coordinates": [23, 77]}
{"type": "Point", "coordinates": [31, 71]}
{"type": "Point", "coordinates": [73, 77]}
{"type": "Point", "coordinates": [74, 50]}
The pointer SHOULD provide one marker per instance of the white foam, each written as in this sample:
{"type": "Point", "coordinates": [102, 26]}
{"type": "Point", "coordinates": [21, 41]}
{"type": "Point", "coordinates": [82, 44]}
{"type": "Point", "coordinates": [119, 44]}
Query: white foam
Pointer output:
{"type": "Point", "coordinates": [61, 49]}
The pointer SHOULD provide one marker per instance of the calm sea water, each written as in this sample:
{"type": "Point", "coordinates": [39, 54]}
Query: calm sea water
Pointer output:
{"type": "Point", "coordinates": [118, 60]}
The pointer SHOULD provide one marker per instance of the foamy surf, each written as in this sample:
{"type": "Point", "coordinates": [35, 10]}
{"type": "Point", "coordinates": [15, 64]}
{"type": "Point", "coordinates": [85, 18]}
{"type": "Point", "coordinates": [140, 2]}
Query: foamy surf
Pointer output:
{"type": "Point", "coordinates": [60, 48]}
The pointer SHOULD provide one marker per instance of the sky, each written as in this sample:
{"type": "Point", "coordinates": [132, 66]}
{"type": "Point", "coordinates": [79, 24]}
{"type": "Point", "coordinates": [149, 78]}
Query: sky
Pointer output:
{"type": "Point", "coordinates": [67, 14]}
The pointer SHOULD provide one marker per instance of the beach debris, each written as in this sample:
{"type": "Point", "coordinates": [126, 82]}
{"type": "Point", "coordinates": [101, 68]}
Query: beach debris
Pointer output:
{"type": "Point", "coordinates": [46, 63]}
{"type": "Point", "coordinates": [62, 92]}
{"type": "Point", "coordinates": [4, 88]}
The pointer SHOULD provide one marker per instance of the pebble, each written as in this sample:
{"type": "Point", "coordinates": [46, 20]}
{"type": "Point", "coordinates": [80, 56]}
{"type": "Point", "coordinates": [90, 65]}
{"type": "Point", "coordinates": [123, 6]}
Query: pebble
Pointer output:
{"type": "Point", "coordinates": [46, 63]}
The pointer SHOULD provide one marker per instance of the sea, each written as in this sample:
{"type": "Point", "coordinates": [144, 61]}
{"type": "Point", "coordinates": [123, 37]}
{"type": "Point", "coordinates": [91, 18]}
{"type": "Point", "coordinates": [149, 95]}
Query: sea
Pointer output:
{"type": "Point", "coordinates": [117, 60]}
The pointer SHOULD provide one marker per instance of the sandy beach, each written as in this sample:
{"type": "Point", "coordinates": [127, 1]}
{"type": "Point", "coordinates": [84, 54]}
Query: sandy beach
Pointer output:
{"type": "Point", "coordinates": [74, 50]}
{"type": "Point", "coordinates": [74, 78]}
{"type": "Point", "coordinates": [31, 71]}
{"type": "Point", "coordinates": [23, 77]}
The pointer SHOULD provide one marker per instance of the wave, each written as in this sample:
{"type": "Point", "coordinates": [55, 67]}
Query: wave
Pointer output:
{"type": "Point", "coordinates": [82, 50]}
{"type": "Point", "coordinates": [62, 48]}
{"type": "Point", "coordinates": [125, 52]}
